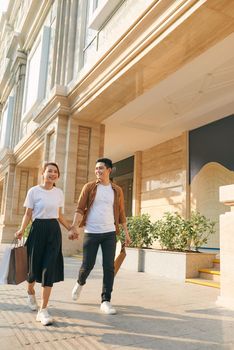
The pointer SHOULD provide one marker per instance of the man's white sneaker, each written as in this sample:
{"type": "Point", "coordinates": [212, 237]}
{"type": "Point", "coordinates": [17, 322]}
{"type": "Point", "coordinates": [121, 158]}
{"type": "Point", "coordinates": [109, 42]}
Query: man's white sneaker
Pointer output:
{"type": "Point", "coordinates": [107, 308]}
{"type": "Point", "coordinates": [44, 317]}
{"type": "Point", "coordinates": [32, 303]}
{"type": "Point", "coordinates": [76, 291]}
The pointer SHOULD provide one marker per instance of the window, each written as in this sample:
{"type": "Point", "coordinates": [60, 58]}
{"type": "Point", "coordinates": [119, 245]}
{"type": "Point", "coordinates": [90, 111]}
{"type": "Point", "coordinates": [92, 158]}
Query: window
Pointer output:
{"type": "Point", "coordinates": [102, 9]}
{"type": "Point", "coordinates": [6, 124]}
{"type": "Point", "coordinates": [36, 72]}
{"type": "Point", "coordinates": [95, 4]}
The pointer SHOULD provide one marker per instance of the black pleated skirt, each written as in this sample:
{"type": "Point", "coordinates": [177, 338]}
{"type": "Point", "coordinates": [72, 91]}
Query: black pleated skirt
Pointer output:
{"type": "Point", "coordinates": [44, 247]}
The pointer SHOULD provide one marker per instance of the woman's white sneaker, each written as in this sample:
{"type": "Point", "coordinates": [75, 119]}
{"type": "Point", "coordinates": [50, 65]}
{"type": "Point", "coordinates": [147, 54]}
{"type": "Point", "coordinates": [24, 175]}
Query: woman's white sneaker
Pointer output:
{"type": "Point", "coordinates": [76, 291]}
{"type": "Point", "coordinates": [44, 317]}
{"type": "Point", "coordinates": [107, 308]}
{"type": "Point", "coordinates": [32, 302]}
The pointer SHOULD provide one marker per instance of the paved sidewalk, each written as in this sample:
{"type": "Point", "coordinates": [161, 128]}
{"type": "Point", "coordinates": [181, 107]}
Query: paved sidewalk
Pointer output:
{"type": "Point", "coordinates": [153, 313]}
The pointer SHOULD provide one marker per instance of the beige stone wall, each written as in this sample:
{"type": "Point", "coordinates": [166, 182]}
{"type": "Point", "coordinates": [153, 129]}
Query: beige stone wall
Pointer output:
{"type": "Point", "coordinates": [164, 179]}
{"type": "Point", "coordinates": [205, 195]}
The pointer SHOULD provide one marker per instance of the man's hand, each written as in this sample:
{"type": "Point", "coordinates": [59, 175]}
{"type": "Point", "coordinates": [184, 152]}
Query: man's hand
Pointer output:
{"type": "Point", "coordinates": [128, 240]}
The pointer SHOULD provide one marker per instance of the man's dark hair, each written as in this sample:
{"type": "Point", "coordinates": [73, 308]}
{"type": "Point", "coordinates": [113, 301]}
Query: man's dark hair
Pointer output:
{"type": "Point", "coordinates": [106, 161]}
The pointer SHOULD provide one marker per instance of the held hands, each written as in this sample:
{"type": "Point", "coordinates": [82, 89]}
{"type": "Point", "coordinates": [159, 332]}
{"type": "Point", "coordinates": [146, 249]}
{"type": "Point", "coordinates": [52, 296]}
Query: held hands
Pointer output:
{"type": "Point", "coordinates": [73, 233]}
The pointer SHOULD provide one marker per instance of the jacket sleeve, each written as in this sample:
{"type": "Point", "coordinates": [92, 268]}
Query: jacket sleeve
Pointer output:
{"type": "Point", "coordinates": [122, 216]}
{"type": "Point", "coordinates": [82, 201]}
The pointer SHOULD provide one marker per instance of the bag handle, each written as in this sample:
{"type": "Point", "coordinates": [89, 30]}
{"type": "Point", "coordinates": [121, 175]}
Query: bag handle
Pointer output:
{"type": "Point", "coordinates": [17, 242]}
{"type": "Point", "coordinates": [123, 247]}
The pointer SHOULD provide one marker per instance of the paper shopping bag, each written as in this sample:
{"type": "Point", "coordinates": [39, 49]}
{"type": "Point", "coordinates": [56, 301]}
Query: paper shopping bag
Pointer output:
{"type": "Point", "coordinates": [120, 258]}
{"type": "Point", "coordinates": [4, 266]}
{"type": "Point", "coordinates": [18, 265]}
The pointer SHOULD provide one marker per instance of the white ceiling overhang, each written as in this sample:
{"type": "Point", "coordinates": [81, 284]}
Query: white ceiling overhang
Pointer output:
{"type": "Point", "coordinates": [199, 93]}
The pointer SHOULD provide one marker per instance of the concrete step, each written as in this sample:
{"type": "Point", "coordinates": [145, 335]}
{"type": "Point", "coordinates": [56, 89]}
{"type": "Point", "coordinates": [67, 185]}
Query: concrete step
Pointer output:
{"type": "Point", "coordinates": [203, 282]}
{"type": "Point", "coordinates": [210, 274]}
{"type": "Point", "coordinates": [216, 263]}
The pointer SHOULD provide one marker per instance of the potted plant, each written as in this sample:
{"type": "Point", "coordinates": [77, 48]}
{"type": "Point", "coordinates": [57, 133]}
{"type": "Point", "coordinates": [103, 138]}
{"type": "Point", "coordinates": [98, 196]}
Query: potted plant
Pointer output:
{"type": "Point", "coordinates": [179, 239]}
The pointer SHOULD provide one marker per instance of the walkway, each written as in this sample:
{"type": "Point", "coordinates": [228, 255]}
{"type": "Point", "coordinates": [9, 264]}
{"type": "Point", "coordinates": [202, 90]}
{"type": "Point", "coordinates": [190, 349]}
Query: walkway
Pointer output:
{"type": "Point", "coordinates": [153, 313]}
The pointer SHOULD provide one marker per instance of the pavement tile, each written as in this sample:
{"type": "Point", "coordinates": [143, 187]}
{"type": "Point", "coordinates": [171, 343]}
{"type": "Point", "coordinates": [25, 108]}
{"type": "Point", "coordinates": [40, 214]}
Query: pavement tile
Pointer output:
{"type": "Point", "coordinates": [153, 313]}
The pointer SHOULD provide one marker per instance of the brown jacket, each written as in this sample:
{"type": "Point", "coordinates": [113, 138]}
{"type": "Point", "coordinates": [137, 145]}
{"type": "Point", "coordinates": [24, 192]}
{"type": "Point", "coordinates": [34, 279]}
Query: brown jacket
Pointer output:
{"type": "Point", "coordinates": [87, 197]}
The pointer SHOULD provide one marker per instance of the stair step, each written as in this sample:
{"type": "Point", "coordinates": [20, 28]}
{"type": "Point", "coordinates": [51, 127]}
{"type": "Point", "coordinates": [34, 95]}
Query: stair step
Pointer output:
{"type": "Point", "coordinates": [203, 282]}
{"type": "Point", "coordinates": [216, 261]}
{"type": "Point", "coordinates": [211, 271]}
{"type": "Point", "coordinates": [210, 274]}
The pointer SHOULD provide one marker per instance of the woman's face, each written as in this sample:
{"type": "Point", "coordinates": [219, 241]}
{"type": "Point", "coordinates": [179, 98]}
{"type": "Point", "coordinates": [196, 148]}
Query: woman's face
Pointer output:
{"type": "Point", "coordinates": [50, 174]}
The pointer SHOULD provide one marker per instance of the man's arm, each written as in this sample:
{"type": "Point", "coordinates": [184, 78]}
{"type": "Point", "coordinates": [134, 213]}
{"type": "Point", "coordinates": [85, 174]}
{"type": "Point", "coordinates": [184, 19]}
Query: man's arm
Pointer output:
{"type": "Point", "coordinates": [123, 219]}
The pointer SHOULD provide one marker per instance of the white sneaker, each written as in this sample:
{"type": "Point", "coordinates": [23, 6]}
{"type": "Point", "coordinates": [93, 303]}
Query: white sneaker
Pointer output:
{"type": "Point", "coordinates": [32, 302]}
{"type": "Point", "coordinates": [76, 291]}
{"type": "Point", "coordinates": [107, 308]}
{"type": "Point", "coordinates": [44, 317]}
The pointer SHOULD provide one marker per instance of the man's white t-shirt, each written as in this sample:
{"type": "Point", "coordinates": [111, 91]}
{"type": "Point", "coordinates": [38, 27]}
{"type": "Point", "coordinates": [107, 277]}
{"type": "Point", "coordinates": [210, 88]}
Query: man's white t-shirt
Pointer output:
{"type": "Point", "coordinates": [44, 203]}
{"type": "Point", "coordinates": [100, 218]}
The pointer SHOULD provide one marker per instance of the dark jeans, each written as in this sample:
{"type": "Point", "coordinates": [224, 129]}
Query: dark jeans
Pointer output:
{"type": "Point", "coordinates": [91, 243]}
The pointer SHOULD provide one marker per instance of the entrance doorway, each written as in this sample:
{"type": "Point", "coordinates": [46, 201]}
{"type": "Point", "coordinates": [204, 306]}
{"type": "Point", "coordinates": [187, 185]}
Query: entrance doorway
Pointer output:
{"type": "Point", "coordinates": [123, 177]}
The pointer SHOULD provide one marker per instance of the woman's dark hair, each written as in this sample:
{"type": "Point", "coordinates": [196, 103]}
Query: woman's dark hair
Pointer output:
{"type": "Point", "coordinates": [51, 163]}
{"type": "Point", "coordinates": [106, 161]}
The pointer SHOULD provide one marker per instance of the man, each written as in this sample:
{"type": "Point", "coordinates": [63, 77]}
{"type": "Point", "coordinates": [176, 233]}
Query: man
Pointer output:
{"type": "Point", "coordinates": [100, 210]}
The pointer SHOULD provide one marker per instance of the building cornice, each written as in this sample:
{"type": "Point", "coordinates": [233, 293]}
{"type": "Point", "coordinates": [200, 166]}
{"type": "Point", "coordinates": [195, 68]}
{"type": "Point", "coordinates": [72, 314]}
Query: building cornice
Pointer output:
{"type": "Point", "coordinates": [6, 158]}
{"type": "Point", "coordinates": [34, 21]}
{"type": "Point", "coordinates": [127, 64]}
{"type": "Point", "coordinates": [57, 104]}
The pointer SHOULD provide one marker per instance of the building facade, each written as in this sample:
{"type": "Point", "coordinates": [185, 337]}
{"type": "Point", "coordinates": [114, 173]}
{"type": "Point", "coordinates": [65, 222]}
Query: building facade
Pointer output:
{"type": "Point", "coordinates": [141, 82]}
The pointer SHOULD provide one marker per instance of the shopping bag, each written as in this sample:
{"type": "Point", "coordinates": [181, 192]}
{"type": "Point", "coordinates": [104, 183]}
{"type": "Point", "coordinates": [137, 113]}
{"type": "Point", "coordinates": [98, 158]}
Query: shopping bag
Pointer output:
{"type": "Point", "coordinates": [120, 258]}
{"type": "Point", "coordinates": [18, 265]}
{"type": "Point", "coordinates": [4, 266]}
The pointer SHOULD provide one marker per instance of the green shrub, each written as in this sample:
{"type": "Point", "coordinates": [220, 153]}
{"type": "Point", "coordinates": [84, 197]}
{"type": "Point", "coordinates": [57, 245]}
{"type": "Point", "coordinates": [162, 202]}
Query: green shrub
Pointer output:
{"type": "Point", "coordinates": [141, 231]}
{"type": "Point", "coordinates": [177, 233]}
{"type": "Point", "coordinates": [172, 231]}
{"type": "Point", "coordinates": [199, 229]}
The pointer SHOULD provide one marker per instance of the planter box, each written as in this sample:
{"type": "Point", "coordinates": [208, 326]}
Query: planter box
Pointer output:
{"type": "Point", "coordinates": [134, 260]}
{"type": "Point", "coordinates": [175, 265]}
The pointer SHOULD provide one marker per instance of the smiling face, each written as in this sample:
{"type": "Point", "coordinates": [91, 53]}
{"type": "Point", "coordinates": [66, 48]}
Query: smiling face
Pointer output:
{"type": "Point", "coordinates": [50, 174]}
{"type": "Point", "coordinates": [102, 172]}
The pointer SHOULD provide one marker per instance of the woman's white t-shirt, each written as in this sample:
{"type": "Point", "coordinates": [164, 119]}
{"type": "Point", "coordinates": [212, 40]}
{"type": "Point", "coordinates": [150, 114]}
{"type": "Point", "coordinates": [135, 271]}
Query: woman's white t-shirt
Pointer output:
{"type": "Point", "coordinates": [100, 218]}
{"type": "Point", "coordinates": [44, 203]}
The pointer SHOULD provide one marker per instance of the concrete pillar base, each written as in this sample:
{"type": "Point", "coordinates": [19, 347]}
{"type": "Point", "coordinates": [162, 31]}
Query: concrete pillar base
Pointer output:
{"type": "Point", "coordinates": [225, 302]}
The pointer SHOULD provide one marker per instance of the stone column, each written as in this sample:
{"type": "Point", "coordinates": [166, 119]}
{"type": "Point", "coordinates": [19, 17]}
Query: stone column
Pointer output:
{"type": "Point", "coordinates": [185, 176]}
{"type": "Point", "coordinates": [77, 147]}
{"type": "Point", "coordinates": [20, 70]}
{"type": "Point", "coordinates": [136, 204]}
{"type": "Point", "coordinates": [7, 227]}
{"type": "Point", "coordinates": [65, 40]}
{"type": "Point", "coordinates": [226, 298]}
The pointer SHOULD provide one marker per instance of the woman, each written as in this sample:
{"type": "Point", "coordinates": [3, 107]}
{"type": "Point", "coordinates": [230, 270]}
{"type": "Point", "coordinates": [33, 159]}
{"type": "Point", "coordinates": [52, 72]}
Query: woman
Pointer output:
{"type": "Point", "coordinates": [44, 244]}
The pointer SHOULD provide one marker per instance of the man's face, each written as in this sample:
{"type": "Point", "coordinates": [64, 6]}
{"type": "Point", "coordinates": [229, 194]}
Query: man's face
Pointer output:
{"type": "Point", "coordinates": [102, 172]}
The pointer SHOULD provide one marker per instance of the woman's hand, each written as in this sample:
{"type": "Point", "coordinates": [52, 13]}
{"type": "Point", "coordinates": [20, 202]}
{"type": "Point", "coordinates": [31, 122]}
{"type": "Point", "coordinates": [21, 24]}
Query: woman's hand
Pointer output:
{"type": "Point", "coordinates": [19, 234]}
